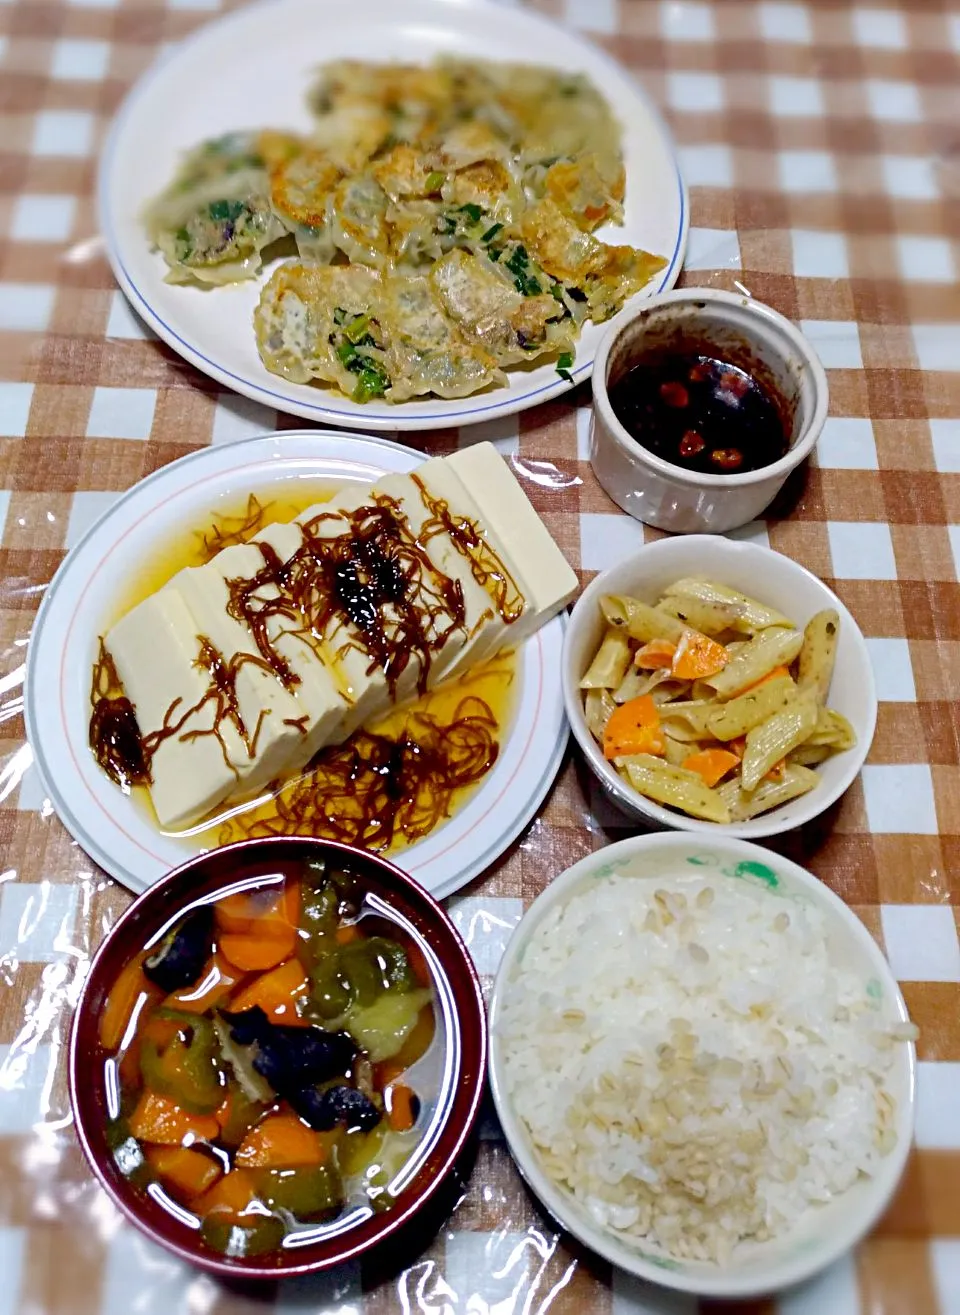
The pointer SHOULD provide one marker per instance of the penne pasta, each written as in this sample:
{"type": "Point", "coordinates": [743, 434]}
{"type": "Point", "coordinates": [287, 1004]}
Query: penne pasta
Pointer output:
{"type": "Point", "coordinates": [776, 646]}
{"type": "Point", "coordinates": [676, 752]}
{"type": "Point", "coordinates": [669, 691]}
{"type": "Point", "coordinates": [795, 781]}
{"type": "Point", "coordinates": [712, 619]}
{"type": "Point", "coordinates": [771, 741]}
{"type": "Point", "coordinates": [810, 755]}
{"type": "Point", "coordinates": [598, 704]}
{"type": "Point", "coordinates": [832, 730]}
{"type": "Point", "coordinates": [687, 721]}
{"type": "Point", "coordinates": [636, 683]}
{"type": "Point", "coordinates": [743, 613]}
{"type": "Point", "coordinates": [705, 676]}
{"type": "Point", "coordinates": [610, 664]}
{"type": "Point", "coordinates": [728, 721]}
{"type": "Point", "coordinates": [818, 654]}
{"type": "Point", "coordinates": [674, 786]}
{"type": "Point", "coordinates": [730, 793]}
{"type": "Point", "coordinates": [682, 732]}
{"type": "Point", "coordinates": [639, 620]}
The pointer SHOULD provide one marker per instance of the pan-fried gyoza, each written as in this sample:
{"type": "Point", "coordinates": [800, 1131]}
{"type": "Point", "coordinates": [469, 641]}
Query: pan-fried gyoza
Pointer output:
{"type": "Point", "coordinates": [443, 219]}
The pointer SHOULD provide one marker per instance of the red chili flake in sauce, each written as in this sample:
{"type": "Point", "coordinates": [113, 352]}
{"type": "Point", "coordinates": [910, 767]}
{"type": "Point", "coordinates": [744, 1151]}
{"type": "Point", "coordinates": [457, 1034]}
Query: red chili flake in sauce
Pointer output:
{"type": "Point", "coordinates": [727, 458]}
{"type": "Point", "coordinates": [700, 413]}
{"type": "Point", "coordinates": [674, 394]}
{"type": "Point", "coordinates": [691, 444]}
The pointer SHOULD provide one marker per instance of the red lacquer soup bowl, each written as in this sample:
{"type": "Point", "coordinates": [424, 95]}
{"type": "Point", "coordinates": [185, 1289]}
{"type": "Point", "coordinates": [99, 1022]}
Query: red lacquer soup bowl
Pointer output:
{"type": "Point", "coordinates": [278, 1057]}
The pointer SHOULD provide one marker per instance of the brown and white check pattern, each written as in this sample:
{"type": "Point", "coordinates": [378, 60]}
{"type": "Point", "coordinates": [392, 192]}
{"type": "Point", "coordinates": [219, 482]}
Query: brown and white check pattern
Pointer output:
{"type": "Point", "coordinates": [821, 144]}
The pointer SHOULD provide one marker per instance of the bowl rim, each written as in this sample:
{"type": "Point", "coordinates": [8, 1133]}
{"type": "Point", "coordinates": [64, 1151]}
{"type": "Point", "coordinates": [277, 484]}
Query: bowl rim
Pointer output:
{"type": "Point", "coordinates": [432, 1174]}
{"type": "Point", "coordinates": [725, 1284]}
{"type": "Point", "coordinates": [766, 824]}
{"type": "Point", "coordinates": [777, 470]}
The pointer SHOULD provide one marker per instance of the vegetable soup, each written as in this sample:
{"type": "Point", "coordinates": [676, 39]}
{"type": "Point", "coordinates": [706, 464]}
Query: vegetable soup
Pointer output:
{"type": "Point", "coordinates": [272, 1057]}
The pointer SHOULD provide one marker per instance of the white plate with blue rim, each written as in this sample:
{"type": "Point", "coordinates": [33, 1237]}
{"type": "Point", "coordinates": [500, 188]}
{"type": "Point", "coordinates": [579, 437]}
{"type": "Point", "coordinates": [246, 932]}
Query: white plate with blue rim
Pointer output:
{"type": "Point", "coordinates": [144, 528]}
{"type": "Point", "coordinates": [252, 68]}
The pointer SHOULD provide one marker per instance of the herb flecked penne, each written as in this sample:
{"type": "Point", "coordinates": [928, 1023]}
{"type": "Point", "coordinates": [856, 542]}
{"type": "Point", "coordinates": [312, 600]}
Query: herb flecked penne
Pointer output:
{"type": "Point", "coordinates": [735, 697]}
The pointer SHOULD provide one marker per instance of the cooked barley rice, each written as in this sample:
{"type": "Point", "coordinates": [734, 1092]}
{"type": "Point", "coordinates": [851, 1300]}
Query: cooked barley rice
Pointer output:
{"type": "Point", "coordinates": [691, 1065]}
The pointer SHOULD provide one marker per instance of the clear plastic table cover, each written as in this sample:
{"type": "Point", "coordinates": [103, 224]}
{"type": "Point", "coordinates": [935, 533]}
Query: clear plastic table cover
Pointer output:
{"type": "Point", "coordinates": [819, 143]}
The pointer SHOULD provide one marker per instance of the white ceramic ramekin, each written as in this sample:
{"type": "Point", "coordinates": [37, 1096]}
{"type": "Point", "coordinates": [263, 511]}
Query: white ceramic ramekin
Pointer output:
{"type": "Point", "coordinates": [732, 327]}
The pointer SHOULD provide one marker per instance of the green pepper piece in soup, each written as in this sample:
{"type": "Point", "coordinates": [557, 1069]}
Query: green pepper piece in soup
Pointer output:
{"type": "Point", "coordinates": [355, 976]}
{"type": "Point", "coordinates": [307, 1192]}
{"type": "Point", "coordinates": [319, 917]}
{"type": "Point", "coordinates": [375, 966]}
{"type": "Point", "coordinates": [262, 1233]}
{"type": "Point", "coordinates": [330, 992]}
{"type": "Point", "coordinates": [187, 1069]}
{"type": "Point", "coordinates": [359, 1151]}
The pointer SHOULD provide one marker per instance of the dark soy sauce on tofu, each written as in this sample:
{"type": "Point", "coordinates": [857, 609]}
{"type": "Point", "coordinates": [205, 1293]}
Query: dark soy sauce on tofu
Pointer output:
{"type": "Point", "coordinates": [700, 413]}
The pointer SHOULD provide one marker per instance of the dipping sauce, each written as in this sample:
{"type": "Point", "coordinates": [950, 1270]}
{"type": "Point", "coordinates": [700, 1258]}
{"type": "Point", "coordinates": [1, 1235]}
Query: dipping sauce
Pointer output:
{"type": "Point", "coordinates": [700, 413]}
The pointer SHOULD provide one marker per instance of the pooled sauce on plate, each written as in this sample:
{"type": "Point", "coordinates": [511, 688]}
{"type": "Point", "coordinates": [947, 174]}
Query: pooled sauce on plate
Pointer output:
{"type": "Point", "coordinates": [225, 526]}
{"type": "Point", "coordinates": [700, 413]}
{"type": "Point", "coordinates": [387, 786]}
{"type": "Point", "coordinates": [391, 783]}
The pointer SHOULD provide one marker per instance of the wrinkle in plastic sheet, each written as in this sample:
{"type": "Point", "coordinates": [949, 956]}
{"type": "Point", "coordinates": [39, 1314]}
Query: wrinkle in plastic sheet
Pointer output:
{"type": "Point", "coordinates": [65, 1250]}
{"type": "Point", "coordinates": [63, 1246]}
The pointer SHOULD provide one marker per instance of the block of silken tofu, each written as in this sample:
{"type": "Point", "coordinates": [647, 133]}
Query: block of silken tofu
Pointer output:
{"type": "Point", "coordinates": [496, 567]}
{"type": "Point", "coordinates": [549, 581]}
{"type": "Point", "coordinates": [360, 683]}
{"type": "Point", "coordinates": [447, 637]}
{"type": "Point", "coordinates": [484, 628]}
{"type": "Point", "coordinates": [154, 648]}
{"type": "Point", "coordinates": [273, 717]}
{"type": "Point", "coordinates": [444, 636]}
{"type": "Point", "coordinates": [315, 689]}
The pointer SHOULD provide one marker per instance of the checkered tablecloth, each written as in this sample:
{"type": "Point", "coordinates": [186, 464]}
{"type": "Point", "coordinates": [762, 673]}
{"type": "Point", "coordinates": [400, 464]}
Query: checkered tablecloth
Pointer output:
{"type": "Point", "coordinates": [821, 143]}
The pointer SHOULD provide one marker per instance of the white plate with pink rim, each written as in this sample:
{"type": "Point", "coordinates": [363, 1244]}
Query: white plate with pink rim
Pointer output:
{"type": "Point", "coordinates": [115, 829]}
{"type": "Point", "coordinates": [202, 88]}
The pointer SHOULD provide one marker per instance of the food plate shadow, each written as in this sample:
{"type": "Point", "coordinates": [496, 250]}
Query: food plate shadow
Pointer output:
{"type": "Point", "coordinates": [403, 1250]}
{"type": "Point", "coordinates": [603, 815]}
{"type": "Point", "coordinates": [800, 486]}
{"type": "Point", "coordinates": [807, 845]}
{"type": "Point", "coordinates": [588, 1264]}
{"type": "Point", "coordinates": [507, 856]}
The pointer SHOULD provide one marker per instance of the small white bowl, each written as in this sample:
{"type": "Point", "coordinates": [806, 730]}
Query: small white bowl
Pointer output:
{"type": "Point", "coordinates": [822, 1235]}
{"type": "Point", "coordinates": [769, 577]}
{"type": "Point", "coordinates": [730, 327]}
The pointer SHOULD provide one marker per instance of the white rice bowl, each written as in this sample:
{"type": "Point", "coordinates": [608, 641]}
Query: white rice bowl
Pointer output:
{"type": "Point", "coordinates": [702, 1063]}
